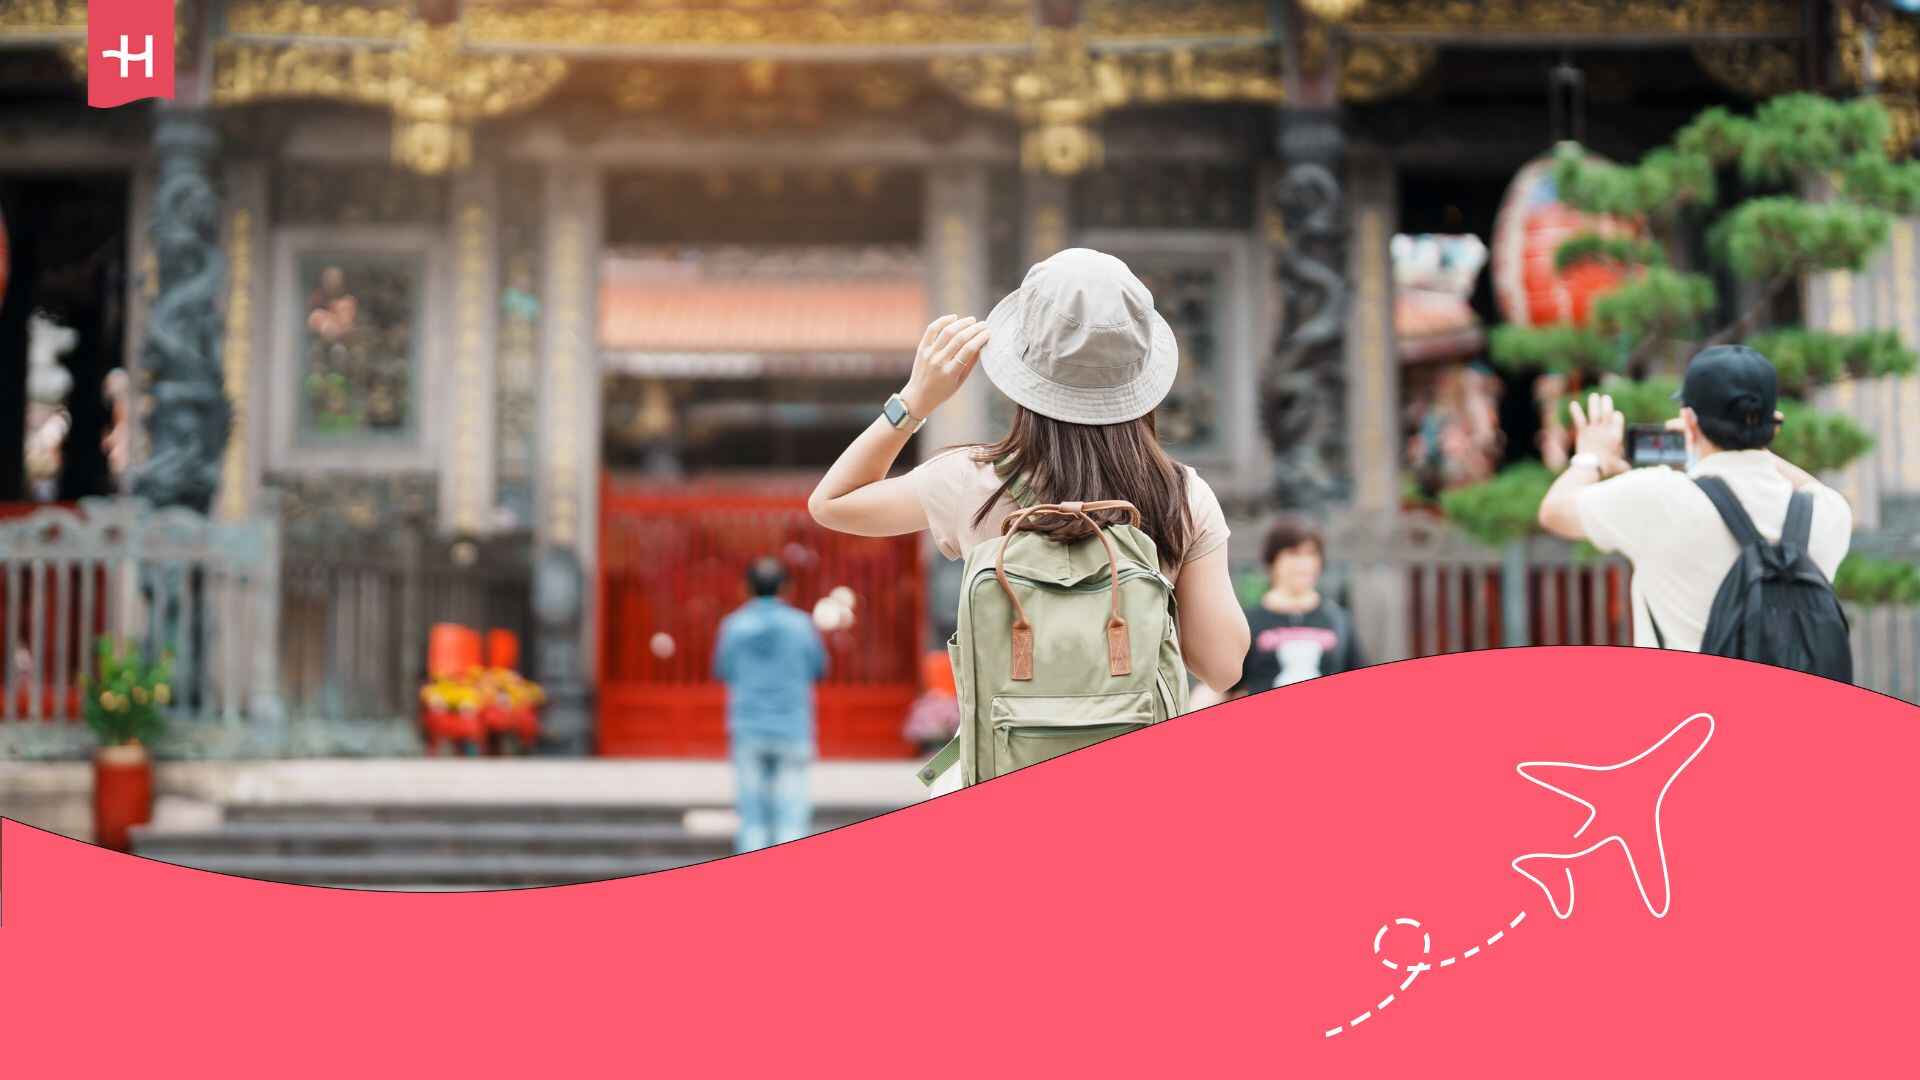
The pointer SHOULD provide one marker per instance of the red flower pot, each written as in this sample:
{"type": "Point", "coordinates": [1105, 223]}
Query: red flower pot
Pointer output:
{"type": "Point", "coordinates": [516, 720]}
{"type": "Point", "coordinates": [452, 724]}
{"type": "Point", "coordinates": [122, 793]}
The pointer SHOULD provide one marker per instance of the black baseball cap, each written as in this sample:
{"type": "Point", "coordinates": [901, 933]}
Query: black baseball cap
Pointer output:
{"type": "Point", "coordinates": [1731, 383]}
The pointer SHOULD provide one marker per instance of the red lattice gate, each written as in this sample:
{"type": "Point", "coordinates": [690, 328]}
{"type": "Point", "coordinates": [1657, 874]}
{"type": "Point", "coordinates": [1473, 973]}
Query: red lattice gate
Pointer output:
{"type": "Point", "coordinates": [673, 563]}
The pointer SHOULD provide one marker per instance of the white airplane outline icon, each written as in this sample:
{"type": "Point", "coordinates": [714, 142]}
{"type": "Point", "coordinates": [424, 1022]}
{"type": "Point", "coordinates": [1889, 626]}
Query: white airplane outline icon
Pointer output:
{"type": "Point", "coordinates": [1689, 737]}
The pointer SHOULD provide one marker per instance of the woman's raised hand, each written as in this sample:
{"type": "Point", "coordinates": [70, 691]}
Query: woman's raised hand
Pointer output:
{"type": "Point", "coordinates": [945, 358]}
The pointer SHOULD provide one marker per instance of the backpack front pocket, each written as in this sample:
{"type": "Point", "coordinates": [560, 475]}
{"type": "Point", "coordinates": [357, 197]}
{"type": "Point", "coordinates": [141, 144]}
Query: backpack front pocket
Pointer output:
{"type": "Point", "coordinates": [1029, 730]}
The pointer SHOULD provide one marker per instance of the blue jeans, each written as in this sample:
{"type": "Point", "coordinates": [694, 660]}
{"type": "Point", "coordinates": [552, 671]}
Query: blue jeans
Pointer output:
{"type": "Point", "coordinates": [771, 777]}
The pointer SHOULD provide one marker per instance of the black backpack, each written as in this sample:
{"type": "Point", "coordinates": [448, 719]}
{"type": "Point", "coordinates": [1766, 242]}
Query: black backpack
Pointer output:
{"type": "Point", "coordinates": [1774, 606]}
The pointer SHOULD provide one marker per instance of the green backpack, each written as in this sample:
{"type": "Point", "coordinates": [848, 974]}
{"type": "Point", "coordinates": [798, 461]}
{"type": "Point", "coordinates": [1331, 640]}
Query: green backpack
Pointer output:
{"type": "Point", "coordinates": [1059, 645]}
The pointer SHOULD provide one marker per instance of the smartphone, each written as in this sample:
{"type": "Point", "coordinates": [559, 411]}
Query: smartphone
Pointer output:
{"type": "Point", "coordinates": [1653, 444]}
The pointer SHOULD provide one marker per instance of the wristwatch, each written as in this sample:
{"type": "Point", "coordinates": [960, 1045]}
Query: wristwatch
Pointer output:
{"type": "Point", "coordinates": [897, 415]}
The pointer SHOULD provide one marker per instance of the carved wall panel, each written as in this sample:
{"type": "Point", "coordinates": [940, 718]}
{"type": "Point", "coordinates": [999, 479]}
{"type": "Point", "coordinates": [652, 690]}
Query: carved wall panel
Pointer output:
{"type": "Point", "coordinates": [309, 193]}
{"type": "Point", "coordinates": [1171, 196]}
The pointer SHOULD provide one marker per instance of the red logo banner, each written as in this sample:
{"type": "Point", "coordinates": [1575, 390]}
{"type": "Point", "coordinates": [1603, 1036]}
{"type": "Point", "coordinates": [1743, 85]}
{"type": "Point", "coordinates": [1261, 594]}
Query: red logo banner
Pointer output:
{"type": "Point", "coordinates": [1558, 862]}
{"type": "Point", "coordinates": [129, 51]}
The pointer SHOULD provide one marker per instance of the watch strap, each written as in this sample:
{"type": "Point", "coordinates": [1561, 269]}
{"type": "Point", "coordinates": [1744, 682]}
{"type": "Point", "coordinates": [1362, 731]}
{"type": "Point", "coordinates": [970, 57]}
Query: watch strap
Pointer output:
{"type": "Point", "coordinates": [908, 423]}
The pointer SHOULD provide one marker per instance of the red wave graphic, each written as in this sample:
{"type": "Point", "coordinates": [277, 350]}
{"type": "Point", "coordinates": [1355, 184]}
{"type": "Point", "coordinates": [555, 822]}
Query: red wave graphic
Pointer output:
{"type": "Point", "coordinates": [1206, 897]}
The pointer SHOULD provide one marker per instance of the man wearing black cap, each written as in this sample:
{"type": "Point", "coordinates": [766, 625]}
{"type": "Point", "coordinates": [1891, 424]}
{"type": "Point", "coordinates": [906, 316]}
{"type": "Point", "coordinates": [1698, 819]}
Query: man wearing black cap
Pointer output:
{"type": "Point", "coordinates": [1662, 521]}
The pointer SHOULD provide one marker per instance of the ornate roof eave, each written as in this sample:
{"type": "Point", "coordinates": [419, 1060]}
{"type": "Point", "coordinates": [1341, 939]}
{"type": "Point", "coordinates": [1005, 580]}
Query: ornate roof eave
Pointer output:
{"type": "Point", "coordinates": [849, 30]}
{"type": "Point", "coordinates": [62, 25]}
{"type": "Point", "coordinates": [1753, 47]}
{"type": "Point", "coordinates": [1535, 23]}
{"type": "Point", "coordinates": [995, 56]}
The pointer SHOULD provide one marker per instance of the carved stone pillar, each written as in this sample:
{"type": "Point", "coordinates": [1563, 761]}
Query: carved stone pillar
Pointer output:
{"type": "Point", "coordinates": [188, 426]}
{"type": "Point", "coordinates": [1379, 589]}
{"type": "Point", "coordinates": [957, 280]}
{"type": "Point", "coordinates": [466, 470]}
{"type": "Point", "coordinates": [568, 472]}
{"type": "Point", "coordinates": [1372, 354]}
{"type": "Point", "coordinates": [1303, 391]}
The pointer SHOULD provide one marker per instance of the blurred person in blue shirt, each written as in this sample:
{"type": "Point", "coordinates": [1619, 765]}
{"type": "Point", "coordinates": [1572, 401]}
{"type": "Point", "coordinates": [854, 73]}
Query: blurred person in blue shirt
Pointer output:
{"type": "Point", "coordinates": [770, 655]}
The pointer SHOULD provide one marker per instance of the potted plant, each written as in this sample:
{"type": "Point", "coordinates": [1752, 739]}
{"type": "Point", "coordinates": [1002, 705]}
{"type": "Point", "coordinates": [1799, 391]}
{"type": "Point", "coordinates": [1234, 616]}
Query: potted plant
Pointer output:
{"type": "Point", "coordinates": [124, 709]}
{"type": "Point", "coordinates": [452, 711]}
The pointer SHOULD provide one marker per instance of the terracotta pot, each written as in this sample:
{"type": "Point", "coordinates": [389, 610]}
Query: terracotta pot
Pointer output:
{"type": "Point", "coordinates": [122, 793]}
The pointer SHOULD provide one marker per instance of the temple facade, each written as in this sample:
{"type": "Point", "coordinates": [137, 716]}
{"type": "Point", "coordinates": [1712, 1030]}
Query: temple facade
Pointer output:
{"type": "Point", "coordinates": [561, 307]}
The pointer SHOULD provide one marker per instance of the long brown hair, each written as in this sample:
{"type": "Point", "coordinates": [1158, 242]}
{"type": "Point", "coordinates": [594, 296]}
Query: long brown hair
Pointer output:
{"type": "Point", "coordinates": [1055, 461]}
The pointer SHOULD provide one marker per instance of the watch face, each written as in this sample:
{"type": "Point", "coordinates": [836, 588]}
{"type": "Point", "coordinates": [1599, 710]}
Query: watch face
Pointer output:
{"type": "Point", "coordinates": [896, 411]}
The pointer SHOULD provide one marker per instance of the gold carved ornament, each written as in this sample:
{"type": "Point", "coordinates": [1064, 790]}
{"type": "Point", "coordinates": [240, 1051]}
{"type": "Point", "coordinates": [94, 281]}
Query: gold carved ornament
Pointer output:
{"type": "Point", "coordinates": [732, 23]}
{"type": "Point", "coordinates": [1107, 20]}
{"type": "Point", "coordinates": [1062, 87]}
{"type": "Point", "coordinates": [763, 93]}
{"type": "Point", "coordinates": [1464, 19]}
{"type": "Point", "coordinates": [1892, 65]}
{"type": "Point", "coordinates": [1331, 10]}
{"type": "Point", "coordinates": [42, 18]}
{"type": "Point", "coordinates": [387, 19]}
{"type": "Point", "coordinates": [64, 22]}
{"type": "Point", "coordinates": [1755, 69]}
{"type": "Point", "coordinates": [435, 89]}
{"type": "Point", "coordinates": [1376, 70]}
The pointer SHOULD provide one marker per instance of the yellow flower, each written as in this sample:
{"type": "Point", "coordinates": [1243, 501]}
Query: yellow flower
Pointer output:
{"type": "Point", "coordinates": [106, 700]}
{"type": "Point", "coordinates": [162, 694]}
{"type": "Point", "coordinates": [139, 695]}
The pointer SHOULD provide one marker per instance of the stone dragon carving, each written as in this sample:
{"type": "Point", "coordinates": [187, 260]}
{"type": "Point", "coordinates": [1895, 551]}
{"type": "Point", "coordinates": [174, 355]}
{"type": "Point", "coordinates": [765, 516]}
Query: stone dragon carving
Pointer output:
{"type": "Point", "coordinates": [191, 418]}
{"type": "Point", "coordinates": [1303, 401]}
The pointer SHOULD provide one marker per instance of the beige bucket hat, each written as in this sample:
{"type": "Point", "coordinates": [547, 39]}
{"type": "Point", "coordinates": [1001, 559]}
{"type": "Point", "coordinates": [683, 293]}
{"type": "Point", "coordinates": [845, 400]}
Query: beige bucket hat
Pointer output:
{"type": "Point", "coordinates": [1079, 341]}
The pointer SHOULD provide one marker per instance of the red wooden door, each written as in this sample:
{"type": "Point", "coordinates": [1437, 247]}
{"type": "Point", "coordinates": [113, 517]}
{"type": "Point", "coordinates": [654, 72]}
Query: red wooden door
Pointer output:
{"type": "Point", "coordinates": [673, 563]}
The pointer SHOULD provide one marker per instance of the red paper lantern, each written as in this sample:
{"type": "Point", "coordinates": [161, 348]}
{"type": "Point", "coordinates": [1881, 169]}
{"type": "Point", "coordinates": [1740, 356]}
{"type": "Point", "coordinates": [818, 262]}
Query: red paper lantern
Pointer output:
{"type": "Point", "coordinates": [503, 649]}
{"type": "Point", "coordinates": [1527, 233]}
{"type": "Point", "coordinates": [452, 649]}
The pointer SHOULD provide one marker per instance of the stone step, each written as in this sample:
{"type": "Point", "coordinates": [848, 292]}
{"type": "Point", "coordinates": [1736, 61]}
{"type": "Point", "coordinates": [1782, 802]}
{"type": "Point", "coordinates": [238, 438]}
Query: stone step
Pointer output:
{"type": "Point", "coordinates": [824, 816]}
{"type": "Point", "coordinates": [420, 871]}
{"type": "Point", "coordinates": [332, 837]}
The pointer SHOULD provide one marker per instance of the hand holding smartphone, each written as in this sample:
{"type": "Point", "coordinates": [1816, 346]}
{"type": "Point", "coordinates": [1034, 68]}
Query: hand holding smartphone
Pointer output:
{"type": "Point", "coordinates": [1655, 444]}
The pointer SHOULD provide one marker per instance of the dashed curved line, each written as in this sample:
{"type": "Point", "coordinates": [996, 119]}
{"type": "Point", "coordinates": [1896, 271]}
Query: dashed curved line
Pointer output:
{"type": "Point", "coordinates": [1415, 969]}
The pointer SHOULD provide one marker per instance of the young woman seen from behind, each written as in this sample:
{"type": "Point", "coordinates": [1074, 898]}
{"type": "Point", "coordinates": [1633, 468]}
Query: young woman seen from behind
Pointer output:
{"type": "Point", "coordinates": [1085, 358]}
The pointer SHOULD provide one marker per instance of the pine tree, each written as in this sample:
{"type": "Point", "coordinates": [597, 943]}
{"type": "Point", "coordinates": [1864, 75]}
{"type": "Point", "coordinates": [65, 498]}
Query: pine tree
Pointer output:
{"type": "Point", "coordinates": [1743, 183]}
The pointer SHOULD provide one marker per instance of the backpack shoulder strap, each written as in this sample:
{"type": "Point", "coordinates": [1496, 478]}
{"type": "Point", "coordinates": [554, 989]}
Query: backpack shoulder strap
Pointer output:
{"type": "Point", "coordinates": [1021, 496]}
{"type": "Point", "coordinates": [1730, 510]}
{"type": "Point", "coordinates": [1798, 530]}
{"type": "Point", "coordinates": [1017, 491]}
{"type": "Point", "coordinates": [944, 759]}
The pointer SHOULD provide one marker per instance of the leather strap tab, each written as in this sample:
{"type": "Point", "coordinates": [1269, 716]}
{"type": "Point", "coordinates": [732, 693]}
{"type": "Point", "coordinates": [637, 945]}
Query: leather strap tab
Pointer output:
{"type": "Point", "coordinates": [1119, 649]}
{"type": "Point", "coordinates": [1022, 653]}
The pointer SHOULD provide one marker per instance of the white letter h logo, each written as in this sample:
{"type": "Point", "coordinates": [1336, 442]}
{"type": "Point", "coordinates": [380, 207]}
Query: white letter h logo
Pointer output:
{"type": "Point", "coordinates": [121, 54]}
